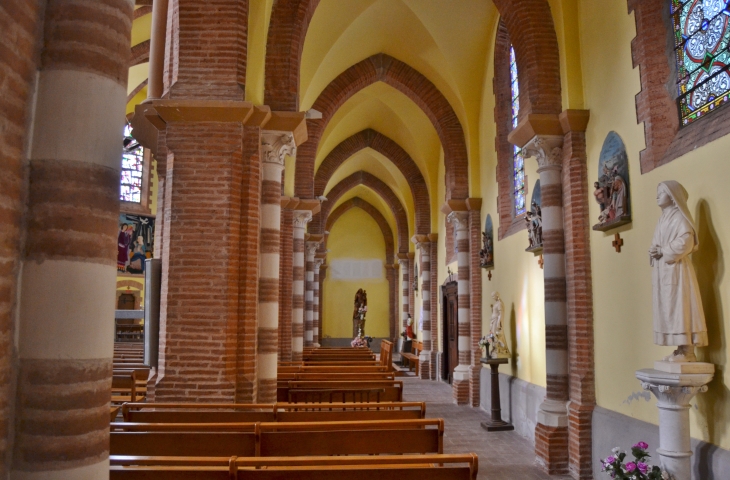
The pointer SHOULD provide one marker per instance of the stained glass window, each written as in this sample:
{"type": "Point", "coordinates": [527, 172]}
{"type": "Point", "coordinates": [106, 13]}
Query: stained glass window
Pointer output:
{"type": "Point", "coordinates": [518, 161]}
{"type": "Point", "coordinates": [132, 167]}
{"type": "Point", "coordinates": [702, 50]}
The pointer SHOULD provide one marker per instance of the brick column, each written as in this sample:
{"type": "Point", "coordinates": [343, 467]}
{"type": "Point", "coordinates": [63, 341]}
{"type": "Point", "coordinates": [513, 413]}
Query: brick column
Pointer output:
{"type": "Point", "coordinates": [155, 83]}
{"type": "Point", "coordinates": [310, 248]}
{"type": "Point", "coordinates": [391, 273]}
{"type": "Point", "coordinates": [551, 433]}
{"type": "Point", "coordinates": [412, 278]}
{"type": "Point", "coordinates": [286, 274]}
{"type": "Point", "coordinates": [460, 385]}
{"type": "Point", "coordinates": [315, 302]}
{"type": "Point", "coordinates": [275, 146]}
{"type": "Point", "coordinates": [301, 218]}
{"type": "Point", "coordinates": [434, 293]}
{"type": "Point", "coordinates": [475, 284]}
{"type": "Point", "coordinates": [66, 300]}
{"type": "Point", "coordinates": [580, 299]}
{"type": "Point", "coordinates": [423, 244]}
{"type": "Point", "coordinates": [404, 263]}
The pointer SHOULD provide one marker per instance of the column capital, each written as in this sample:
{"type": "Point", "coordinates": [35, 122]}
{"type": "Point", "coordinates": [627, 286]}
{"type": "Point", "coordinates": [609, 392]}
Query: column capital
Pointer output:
{"type": "Point", "coordinates": [311, 248]}
{"type": "Point", "coordinates": [403, 262]}
{"type": "Point", "coordinates": [547, 149]}
{"type": "Point", "coordinates": [318, 262]}
{"type": "Point", "coordinates": [421, 241]}
{"type": "Point", "coordinates": [460, 219]}
{"type": "Point", "coordinates": [302, 218]}
{"type": "Point", "coordinates": [276, 145]}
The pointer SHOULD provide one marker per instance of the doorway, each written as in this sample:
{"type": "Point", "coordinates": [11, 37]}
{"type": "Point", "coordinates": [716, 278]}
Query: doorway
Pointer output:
{"type": "Point", "coordinates": [450, 305]}
{"type": "Point", "coordinates": [126, 301]}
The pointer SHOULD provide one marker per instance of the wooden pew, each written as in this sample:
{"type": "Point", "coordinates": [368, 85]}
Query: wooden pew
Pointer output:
{"type": "Point", "coordinates": [272, 439]}
{"type": "Point", "coordinates": [124, 389]}
{"type": "Point", "coordinates": [390, 467]}
{"type": "Point", "coordinates": [412, 357]}
{"type": "Point", "coordinates": [348, 390]}
{"type": "Point", "coordinates": [281, 412]}
{"type": "Point", "coordinates": [333, 369]}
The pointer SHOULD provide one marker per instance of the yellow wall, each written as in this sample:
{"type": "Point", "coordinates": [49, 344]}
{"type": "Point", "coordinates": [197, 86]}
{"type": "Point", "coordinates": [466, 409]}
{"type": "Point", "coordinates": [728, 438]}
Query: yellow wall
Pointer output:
{"type": "Point", "coordinates": [622, 282]}
{"type": "Point", "coordinates": [355, 236]}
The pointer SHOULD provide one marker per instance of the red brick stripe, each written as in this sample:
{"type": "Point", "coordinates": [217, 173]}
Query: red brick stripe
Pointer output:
{"type": "Point", "coordinates": [91, 36]}
{"type": "Point", "coordinates": [555, 290]}
{"type": "Point", "coordinates": [268, 290]}
{"type": "Point", "coordinates": [268, 339]}
{"type": "Point", "coordinates": [62, 413]}
{"type": "Point", "coordinates": [556, 337]}
{"type": "Point", "coordinates": [552, 195]}
{"type": "Point", "coordinates": [59, 192]}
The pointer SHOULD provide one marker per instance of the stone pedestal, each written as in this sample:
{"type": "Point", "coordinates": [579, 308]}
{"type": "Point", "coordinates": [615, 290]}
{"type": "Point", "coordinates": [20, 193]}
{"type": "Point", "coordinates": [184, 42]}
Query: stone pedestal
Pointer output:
{"type": "Point", "coordinates": [674, 390]}
{"type": "Point", "coordinates": [496, 424]}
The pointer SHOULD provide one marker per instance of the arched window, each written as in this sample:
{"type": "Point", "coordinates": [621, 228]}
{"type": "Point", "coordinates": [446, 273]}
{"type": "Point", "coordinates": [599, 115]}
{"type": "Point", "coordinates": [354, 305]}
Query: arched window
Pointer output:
{"type": "Point", "coordinates": [132, 169]}
{"type": "Point", "coordinates": [702, 51]}
{"type": "Point", "coordinates": [517, 160]}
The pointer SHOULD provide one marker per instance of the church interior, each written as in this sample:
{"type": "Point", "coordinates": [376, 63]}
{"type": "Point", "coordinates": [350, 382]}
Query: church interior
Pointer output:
{"type": "Point", "coordinates": [521, 197]}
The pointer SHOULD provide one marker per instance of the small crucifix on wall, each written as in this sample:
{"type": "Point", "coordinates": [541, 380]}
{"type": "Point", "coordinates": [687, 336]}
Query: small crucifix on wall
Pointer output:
{"type": "Point", "coordinates": [541, 262]}
{"type": "Point", "coordinates": [489, 275]}
{"type": "Point", "coordinates": [618, 242]}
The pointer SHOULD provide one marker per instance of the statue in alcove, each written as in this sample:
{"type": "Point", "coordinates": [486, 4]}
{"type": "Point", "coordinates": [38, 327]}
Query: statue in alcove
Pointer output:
{"type": "Point", "coordinates": [358, 314]}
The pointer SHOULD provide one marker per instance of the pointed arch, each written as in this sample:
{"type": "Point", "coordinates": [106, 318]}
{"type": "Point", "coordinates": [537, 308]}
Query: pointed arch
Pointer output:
{"type": "Point", "coordinates": [357, 202]}
{"type": "Point", "coordinates": [379, 187]}
{"type": "Point", "coordinates": [410, 82]}
{"type": "Point", "coordinates": [392, 151]}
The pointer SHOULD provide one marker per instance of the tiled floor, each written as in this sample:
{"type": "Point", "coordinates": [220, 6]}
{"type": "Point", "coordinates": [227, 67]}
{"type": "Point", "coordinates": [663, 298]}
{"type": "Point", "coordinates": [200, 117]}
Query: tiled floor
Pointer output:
{"type": "Point", "coordinates": [502, 455]}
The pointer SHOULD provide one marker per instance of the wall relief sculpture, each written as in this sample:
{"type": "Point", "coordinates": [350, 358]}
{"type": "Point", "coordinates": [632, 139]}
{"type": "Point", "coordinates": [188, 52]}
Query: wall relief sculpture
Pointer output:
{"type": "Point", "coordinates": [486, 254]}
{"type": "Point", "coordinates": [533, 218]}
{"type": "Point", "coordinates": [611, 191]}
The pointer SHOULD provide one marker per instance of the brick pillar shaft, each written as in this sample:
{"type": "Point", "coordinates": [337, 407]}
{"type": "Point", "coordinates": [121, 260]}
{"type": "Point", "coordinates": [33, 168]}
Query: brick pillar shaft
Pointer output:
{"type": "Point", "coordinates": [315, 302]}
{"type": "Point", "coordinates": [285, 284]}
{"type": "Point", "coordinates": [310, 250]}
{"type": "Point", "coordinates": [405, 290]}
{"type": "Point", "coordinates": [475, 239]}
{"type": "Point", "coordinates": [67, 288]}
{"type": "Point", "coordinates": [551, 433]}
{"type": "Point", "coordinates": [301, 218]}
{"type": "Point", "coordinates": [425, 355]}
{"type": "Point", "coordinates": [460, 385]}
{"type": "Point", "coordinates": [275, 146]}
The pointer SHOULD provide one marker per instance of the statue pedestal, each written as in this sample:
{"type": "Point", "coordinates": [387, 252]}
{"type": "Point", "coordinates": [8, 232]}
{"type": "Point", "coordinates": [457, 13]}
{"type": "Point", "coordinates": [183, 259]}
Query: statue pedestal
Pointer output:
{"type": "Point", "coordinates": [674, 390]}
{"type": "Point", "coordinates": [496, 424]}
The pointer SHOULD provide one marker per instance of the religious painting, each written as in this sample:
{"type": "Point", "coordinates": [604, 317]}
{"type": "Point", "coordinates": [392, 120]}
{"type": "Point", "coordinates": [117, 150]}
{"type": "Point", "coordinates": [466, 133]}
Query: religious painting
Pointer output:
{"type": "Point", "coordinates": [134, 242]}
{"type": "Point", "coordinates": [611, 191]}
{"type": "Point", "coordinates": [533, 219]}
{"type": "Point", "coordinates": [486, 254]}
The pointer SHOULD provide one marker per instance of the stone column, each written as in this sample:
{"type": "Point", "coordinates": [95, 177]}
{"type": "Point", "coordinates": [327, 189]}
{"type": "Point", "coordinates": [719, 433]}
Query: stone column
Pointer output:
{"type": "Point", "coordinates": [423, 244]}
{"type": "Point", "coordinates": [404, 263]}
{"type": "Point", "coordinates": [315, 302]}
{"type": "Point", "coordinates": [460, 385]}
{"type": "Point", "coordinates": [286, 252]}
{"type": "Point", "coordinates": [310, 248]}
{"type": "Point", "coordinates": [66, 300]}
{"type": "Point", "coordinates": [674, 392]}
{"type": "Point", "coordinates": [275, 146]}
{"type": "Point", "coordinates": [551, 433]}
{"type": "Point", "coordinates": [301, 218]}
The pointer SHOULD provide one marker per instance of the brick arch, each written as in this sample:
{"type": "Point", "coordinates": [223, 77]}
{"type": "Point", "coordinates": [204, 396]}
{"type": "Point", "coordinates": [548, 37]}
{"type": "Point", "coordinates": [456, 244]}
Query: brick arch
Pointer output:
{"type": "Point", "coordinates": [410, 82]}
{"type": "Point", "coordinates": [287, 29]}
{"type": "Point", "coordinates": [392, 151]}
{"type": "Point", "coordinates": [532, 31]}
{"type": "Point", "coordinates": [379, 187]}
{"type": "Point", "coordinates": [357, 202]}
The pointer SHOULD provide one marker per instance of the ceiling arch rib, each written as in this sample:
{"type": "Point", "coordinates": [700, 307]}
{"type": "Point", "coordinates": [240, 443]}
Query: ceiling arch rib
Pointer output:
{"type": "Point", "coordinates": [418, 88]}
{"type": "Point", "coordinates": [391, 150]}
{"type": "Point", "coordinates": [379, 187]}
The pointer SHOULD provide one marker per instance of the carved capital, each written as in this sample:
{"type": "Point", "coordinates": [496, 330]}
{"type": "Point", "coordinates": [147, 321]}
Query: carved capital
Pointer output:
{"type": "Point", "coordinates": [460, 219]}
{"type": "Point", "coordinates": [547, 149]}
{"type": "Point", "coordinates": [311, 248]}
{"type": "Point", "coordinates": [276, 145]}
{"type": "Point", "coordinates": [318, 262]}
{"type": "Point", "coordinates": [302, 218]}
{"type": "Point", "coordinates": [403, 262]}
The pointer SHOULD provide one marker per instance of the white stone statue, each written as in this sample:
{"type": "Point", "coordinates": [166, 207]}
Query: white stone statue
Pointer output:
{"type": "Point", "coordinates": [679, 319]}
{"type": "Point", "coordinates": [498, 341]}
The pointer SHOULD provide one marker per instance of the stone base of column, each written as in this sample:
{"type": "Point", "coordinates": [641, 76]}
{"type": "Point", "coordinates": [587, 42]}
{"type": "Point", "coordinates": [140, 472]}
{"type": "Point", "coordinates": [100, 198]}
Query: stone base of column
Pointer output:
{"type": "Point", "coordinates": [460, 385]}
{"type": "Point", "coordinates": [266, 390]}
{"type": "Point", "coordinates": [424, 365]}
{"type": "Point", "coordinates": [432, 366]}
{"type": "Point", "coordinates": [551, 449]}
{"type": "Point", "coordinates": [474, 385]}
{"type": "Point", "coordinates": [580, 427]}
{"type": "Point", "coordinates": [151, 383]}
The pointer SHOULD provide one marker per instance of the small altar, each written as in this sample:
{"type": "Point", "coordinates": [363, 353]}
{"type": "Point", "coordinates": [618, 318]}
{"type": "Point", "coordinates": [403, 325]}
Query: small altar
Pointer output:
{"type": "Point", "coordinates": [496, 424]}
